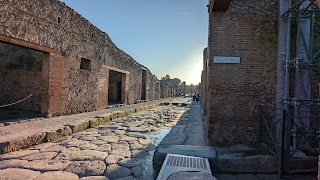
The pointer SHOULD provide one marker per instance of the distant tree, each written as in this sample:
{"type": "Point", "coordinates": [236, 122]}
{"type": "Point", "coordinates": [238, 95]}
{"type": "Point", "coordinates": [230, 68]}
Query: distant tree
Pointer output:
{"type": "Point", "coordinates": [167, 77]}
{"type": "Point", "coordinates": [176, 81]}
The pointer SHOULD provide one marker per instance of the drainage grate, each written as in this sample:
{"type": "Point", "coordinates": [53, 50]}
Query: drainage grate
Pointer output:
{"type": "Point", "coordinates": [175, 163]}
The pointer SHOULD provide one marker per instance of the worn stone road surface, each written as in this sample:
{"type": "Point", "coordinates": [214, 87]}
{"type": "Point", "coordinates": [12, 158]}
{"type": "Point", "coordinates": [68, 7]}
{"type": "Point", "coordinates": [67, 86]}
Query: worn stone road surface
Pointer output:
{"type": "Point", "coordinates": [116, 150]}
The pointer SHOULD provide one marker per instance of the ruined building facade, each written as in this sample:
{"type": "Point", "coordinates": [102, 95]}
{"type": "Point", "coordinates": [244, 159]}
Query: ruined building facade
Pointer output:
{"type": "Point", "coordinates": [239, 67]}
{"type": "Point", "coordinates": [64, 63]}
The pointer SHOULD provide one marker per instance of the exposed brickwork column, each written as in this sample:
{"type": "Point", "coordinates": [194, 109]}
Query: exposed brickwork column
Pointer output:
{"type": "Point", "coordinates": [57, 96]}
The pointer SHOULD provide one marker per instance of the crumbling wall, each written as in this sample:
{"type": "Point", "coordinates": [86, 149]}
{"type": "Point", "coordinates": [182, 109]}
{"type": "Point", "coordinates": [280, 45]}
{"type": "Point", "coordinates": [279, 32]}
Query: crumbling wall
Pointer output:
{"type": "Point", "coordinates": [248, 29]}
{"type": "Point", "coordinates": [69, 37]}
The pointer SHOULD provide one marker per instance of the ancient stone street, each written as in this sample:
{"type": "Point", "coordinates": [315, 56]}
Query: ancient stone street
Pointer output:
{"type": "Point", "coordinates": [121, 149]}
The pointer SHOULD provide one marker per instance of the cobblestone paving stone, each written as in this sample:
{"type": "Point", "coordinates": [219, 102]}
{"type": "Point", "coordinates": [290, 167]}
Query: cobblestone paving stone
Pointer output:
{"type": "Point", "coordinates": [116, 150]}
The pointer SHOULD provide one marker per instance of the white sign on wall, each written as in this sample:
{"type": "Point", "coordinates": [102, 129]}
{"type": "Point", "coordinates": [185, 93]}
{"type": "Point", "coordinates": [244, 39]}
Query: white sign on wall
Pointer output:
{"type": "Point", "coordinates": [228, 60]}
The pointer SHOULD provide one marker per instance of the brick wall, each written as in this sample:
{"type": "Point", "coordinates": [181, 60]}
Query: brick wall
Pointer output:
{"type": "Point", "coordinates": [57, 29]}
{"type": "Point", "coordinates": [248, 29]}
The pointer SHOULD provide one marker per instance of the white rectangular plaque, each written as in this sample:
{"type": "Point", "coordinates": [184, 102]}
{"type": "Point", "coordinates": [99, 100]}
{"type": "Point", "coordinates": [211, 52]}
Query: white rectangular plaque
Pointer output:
{"type": "Point", "coordinates": [228, 60]}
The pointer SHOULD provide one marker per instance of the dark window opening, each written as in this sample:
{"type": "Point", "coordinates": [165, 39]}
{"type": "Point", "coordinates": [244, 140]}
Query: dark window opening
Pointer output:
{"type": "Point", "coordinates": [85, 64]}
{"type": "Point", "coordinates": [144, 85]}
{"type": "Point", "coordinates": [59, 20]}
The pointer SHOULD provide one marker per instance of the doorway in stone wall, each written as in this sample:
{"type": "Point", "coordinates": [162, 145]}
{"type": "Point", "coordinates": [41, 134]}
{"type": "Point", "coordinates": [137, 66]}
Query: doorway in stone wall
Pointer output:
{"type": "Point", "coordinates": [116, 92]}
{"type": "Point", "coordinates": [144, 85]}
{"type": "Point", "coordinates": [21, 82]}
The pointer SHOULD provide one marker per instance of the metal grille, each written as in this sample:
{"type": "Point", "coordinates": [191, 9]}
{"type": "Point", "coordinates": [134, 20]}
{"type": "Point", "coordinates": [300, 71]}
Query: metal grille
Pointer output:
{"type": "Point", "coordinates": [183, 161]}
{"type": "Point", "coordinates": [175, 163]}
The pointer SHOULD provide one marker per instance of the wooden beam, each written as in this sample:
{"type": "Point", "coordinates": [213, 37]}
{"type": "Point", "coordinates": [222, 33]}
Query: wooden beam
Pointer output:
{"type": "Point", "coordinates": [115, 69]}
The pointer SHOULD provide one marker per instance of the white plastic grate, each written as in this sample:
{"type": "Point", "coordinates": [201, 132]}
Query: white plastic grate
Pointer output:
{"type": "Point", "coordinates": [175, 163]}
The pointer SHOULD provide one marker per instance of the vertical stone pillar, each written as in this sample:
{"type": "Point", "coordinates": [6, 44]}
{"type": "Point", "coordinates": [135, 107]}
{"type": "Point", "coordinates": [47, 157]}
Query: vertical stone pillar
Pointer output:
{"type": "Point", "coordinates": [125, 89]}
{"type": "Point", "coordinates": [103, 81]}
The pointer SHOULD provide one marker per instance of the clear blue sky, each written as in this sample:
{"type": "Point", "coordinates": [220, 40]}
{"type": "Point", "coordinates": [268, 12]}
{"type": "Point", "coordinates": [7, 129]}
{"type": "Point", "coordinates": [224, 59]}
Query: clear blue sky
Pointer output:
{"type": "Point", "coordinates": [167, 36]}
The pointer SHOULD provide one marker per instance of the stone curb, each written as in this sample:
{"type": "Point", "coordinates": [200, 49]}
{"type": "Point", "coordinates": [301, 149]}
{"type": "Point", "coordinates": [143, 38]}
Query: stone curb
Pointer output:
{"type": "Point", "coordinates": [69, 129]}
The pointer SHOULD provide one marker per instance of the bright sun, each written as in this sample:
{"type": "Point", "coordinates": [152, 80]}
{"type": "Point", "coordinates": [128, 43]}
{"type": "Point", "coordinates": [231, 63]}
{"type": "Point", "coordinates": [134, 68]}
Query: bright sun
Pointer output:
{"type": "Point", "coordinates": [195, 74]}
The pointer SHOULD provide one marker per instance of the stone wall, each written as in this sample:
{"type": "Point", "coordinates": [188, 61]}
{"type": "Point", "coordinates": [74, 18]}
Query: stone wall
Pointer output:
{"type": "Point", "coordinates": [58, 30]}
{"type": "Point", "coordinates": [248, 29]}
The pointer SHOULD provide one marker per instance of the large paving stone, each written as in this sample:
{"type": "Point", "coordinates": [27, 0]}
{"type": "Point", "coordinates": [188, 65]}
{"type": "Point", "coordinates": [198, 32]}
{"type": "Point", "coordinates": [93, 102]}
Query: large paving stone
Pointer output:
{"type": "Point", "coordinates": [144, 141]}
{"type": "Point", "coordinates": [19, 154]}
{"type": "Point", "coordinates": [138, 171]}
{"type": "Point", "coordinates": [136, 146]}
{"type": "Point", "coordinates": [126, 154]}
{"type": "Point", "coordinates": [41, 146]}
{"type": "Point", "coordinates": [141, 129]}
{"type": "Point", "coordinates": [87, 138]}
{"type": "Point", "coordinates": [18, 174]}
{"type": "Point", "coordinates": [88, 146]}
{"type": "Point", "coordinates": [53, 148]}
{"type": "Point", "coordinates": [176, 136]}
{"type": "Point", "coordinates": [113, 159]}
{"type": "Point", "coordinates": [109, 139]}
{"type": "Point", "coordinates": [40, 156]}
{"type": "Point", "coordinates": [139, 153]}
{"type": "Point", "coordinates": [98, 142]}
{"type": "Point", "coordinates": [120, 146]}
{"type": "Point", "coordinates": [191, 176]}
{"type": "Point", "coordinates": [128, 139]}
{"type": "Point", "coordinates": [84, 155]}
{"type": "Point", "coordinates": [75, 143]}
{"type": "Point", "coordinates": [137, 135]}
{"type": "Point", "coordinates": [119, 132]}
{"type": "Point", "coordinates": [106, 133]}
{"type": "Point", "coordinates": [104, 148]}
{"type": "Point", "coordinates": [129, 162]}
{"type": "Point", "coordinates": [149, 147]}
{"type": "Point", "coordinates": [47, 165]}
{"type": "Point", "coordinates": [115, 171]}
{"type": "Point", "coordinates": [94, 178]}
{"type": "Point", "coordinates": [86, 168]}
{"type": "Point", "coordinates": [12, 163]}
{"type": "Point", "coordinates": [57, 175]}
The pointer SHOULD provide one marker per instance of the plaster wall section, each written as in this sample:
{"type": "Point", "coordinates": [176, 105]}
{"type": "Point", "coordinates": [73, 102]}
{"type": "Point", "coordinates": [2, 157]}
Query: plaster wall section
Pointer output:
{"type": "Point", "coordinates": [248, 29]}
{"type": "Point", "coordinates": [53, 25]}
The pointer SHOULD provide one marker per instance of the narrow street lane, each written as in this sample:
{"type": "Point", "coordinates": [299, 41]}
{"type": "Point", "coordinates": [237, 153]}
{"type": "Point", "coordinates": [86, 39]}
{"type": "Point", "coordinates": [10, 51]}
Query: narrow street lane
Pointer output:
{"type": "Point", "coordinates": [120, 149]}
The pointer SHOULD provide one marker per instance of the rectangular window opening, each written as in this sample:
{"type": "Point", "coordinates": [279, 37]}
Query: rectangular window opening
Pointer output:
{"type": "Point", "coordinates": [85, 64]}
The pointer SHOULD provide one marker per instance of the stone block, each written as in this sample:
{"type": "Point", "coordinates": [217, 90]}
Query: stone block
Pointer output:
{"type": "Point", "coordinates": [65, 131]}
{"type": "Point", "coordinates": [247, 164]}
{"type": "Point", "coordinates": [94, 123]}
{"type": "Point", "coordinates": [79, 126]}
{"type": "Point", "coordinates": [51, 136]}
{"type": "Point", "coordinates": [24, 142]}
